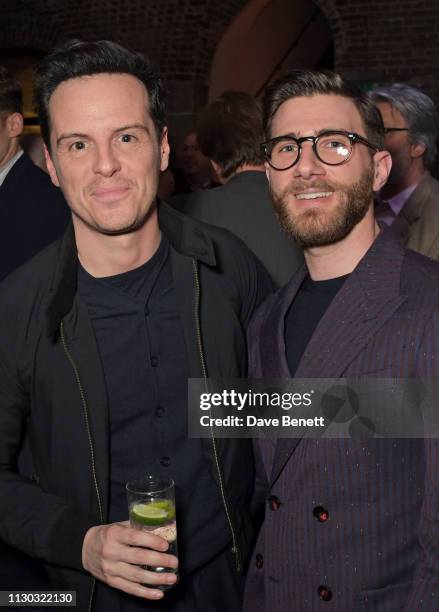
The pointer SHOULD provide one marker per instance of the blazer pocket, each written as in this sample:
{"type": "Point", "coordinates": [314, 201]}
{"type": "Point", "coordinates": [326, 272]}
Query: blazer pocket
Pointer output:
{"type": "Point", "coordinates": [393, 597]}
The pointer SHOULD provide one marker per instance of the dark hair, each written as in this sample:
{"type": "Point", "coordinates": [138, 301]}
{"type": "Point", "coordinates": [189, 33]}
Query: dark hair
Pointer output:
{"type": "Point", "coordinates": [298, 83]}
{"type": "Point", "coordinates": [78, 58]}
{"type": "Point", "coordinates": [11, 96]}
{"type": "Point", "coordinates": [230, 132]}
{"type": "Point", "coordinates": [419, 112]}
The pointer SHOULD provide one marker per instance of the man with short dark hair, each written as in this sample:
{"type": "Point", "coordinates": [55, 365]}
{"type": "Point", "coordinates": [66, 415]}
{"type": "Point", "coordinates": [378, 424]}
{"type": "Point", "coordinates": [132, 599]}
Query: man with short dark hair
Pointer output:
{"type": "Point", "coordinates": [98, 336]}
{"type": "Point", "coordinates": [33, 212]}
{"type": "Point", "coordinates": [230, 134]}
{"type": "Point", "coordinates": [350, 524]}
{"type": "Point", "coordinates": [409, 201]}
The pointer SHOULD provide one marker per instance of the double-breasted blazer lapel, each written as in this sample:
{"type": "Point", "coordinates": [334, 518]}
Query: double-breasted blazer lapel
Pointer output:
{"type": "Point", "coordinates": [272, 330]}
{"type": "Point", "coordinates": [368, 298]}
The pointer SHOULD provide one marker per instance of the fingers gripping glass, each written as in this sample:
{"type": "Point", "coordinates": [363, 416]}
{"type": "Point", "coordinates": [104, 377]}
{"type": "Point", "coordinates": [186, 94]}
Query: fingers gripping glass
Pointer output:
{"type": "Point", "coordinates": [332, 147]}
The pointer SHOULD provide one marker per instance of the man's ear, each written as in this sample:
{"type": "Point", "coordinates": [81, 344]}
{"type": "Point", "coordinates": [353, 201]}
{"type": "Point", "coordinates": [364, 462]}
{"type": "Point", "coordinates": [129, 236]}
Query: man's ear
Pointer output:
{"type": "Point", "coordinates": [217, 170]}
{"type": "Point", "coordinates": [14, 124]}
{"type": "Point", "coordinates": [267, 170]}
{"type": "Point", "coordinates": [382, 162]}
{"type": "Point", "coordinates": [51, 167]}
{"type": "Point", "coordinates": [164, 150]}
{"type": "Point", "coordinates": [417, 150]}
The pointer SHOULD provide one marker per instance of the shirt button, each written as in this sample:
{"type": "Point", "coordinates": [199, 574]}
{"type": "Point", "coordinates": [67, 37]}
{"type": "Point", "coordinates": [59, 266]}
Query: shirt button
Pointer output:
{"type": "Point", "coordinates": [165, 461]}
{"type": "Point", "coordinates": [274, 503]}
{"type": "Point", "coordinates": [321, 514]}
{"type": "Point", "coordinates": [159, 412]}
{"type": "Point", "coordinates": [259, 560]}
{"type": "Point", "coordinates": [154, 362]}
{"type": "Point", "coordinates": [325, 593]}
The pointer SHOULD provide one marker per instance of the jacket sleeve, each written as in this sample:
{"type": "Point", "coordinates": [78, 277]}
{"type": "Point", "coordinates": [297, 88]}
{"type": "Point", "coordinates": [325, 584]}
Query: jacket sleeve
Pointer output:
{"type": "Point", "coordinates": [424, 594]}
{"type": "Point", "coordinates": [32, 520]}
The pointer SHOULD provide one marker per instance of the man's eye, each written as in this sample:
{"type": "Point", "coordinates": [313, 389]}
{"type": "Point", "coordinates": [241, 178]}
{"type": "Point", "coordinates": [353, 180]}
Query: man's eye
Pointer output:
{"type": "Point", "coordinates": [127, 138]}
{"type": "Point", "coordinates": [289, 147]}
{"type": "Point", "coordinates": [334, 144]}
{"type": "Point", "coordinates": [78, 146]}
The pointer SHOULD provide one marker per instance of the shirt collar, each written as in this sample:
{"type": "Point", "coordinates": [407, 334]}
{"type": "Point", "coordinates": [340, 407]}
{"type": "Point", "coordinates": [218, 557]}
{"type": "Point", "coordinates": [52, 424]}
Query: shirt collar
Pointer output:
{"type": "Point", "coordinates": [5, 170]}
{"type": "Point", "coordinates": [397, 202]}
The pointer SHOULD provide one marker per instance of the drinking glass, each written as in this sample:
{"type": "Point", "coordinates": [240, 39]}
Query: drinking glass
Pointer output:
{"type": "Point", "coordinates": [151, 507]}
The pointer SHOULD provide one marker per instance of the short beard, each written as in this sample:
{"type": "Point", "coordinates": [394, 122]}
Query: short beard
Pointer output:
{"type": "Point", "coordinates": [317, 227]}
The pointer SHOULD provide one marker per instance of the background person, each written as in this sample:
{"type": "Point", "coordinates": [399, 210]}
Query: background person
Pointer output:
{"type": "Point", "coordinates": [195, 172]}
{"type": "Point", "coordinates": [230, 135]}
{"type": "Point", "coordinates": [33, 212]}
{"type": "Point", "coordinates": [411, 195]}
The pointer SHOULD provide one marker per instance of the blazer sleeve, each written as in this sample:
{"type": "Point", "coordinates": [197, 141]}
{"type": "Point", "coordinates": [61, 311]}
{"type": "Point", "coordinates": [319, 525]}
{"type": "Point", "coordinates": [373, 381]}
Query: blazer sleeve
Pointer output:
{"type": "Point", "coordinates": [32, 520]}
{"type": "Point", "coordinates": [424, 594]}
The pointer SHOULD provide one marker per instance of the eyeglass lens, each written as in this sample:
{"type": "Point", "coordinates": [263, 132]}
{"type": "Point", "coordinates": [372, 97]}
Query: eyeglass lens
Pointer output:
{"type": "Point", "coordinates": [331, 149]}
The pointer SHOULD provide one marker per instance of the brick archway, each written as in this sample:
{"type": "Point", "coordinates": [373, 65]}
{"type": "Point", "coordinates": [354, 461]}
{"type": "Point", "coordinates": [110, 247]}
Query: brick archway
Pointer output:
{"type": "Point", "coordinates": [267, 36]}
{"type": "Point", "coordinates": [328, 7]}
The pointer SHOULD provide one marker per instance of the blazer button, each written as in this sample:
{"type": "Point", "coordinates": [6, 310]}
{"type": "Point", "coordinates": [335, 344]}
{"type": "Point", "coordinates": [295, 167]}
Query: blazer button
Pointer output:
{"type": "Point", "coordinates": [321, 514]}
{"type": "Point", "coordinates": [259, 560]}
{"type": "Point", "coordinates": [274, 502]}
{"type": "Point", "coordinates": [325, 593]}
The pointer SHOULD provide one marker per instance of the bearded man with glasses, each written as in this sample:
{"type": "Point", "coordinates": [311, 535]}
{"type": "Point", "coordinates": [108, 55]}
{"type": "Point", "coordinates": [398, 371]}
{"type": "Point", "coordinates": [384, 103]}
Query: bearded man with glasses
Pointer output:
{"type": "Point", "coordinates": [350, 524]}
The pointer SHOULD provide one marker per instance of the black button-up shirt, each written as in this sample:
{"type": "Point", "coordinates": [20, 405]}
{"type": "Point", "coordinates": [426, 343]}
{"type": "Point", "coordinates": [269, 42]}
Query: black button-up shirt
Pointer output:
{"type": "Point", "coordinates": [141, 343]}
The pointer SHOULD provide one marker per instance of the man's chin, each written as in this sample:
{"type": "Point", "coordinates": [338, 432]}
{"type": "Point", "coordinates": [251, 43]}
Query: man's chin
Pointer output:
{"type": "Point", "coordinates": [115, 227]}
{"type": "Point", "coordinates": [118, 230]}
{"type": "Point", "coordinates": [316, 234]}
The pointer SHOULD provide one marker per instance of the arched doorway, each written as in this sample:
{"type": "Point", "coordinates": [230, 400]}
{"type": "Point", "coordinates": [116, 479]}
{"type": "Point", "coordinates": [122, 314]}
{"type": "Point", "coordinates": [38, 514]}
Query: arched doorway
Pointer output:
{"type": "Point", "coordinates": [268, 36]}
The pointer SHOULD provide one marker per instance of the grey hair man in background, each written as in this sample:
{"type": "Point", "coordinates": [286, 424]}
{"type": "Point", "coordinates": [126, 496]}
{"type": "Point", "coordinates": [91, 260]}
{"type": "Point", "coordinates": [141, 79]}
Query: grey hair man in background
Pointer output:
{"type": "Point", "coordinates": [410, 198]}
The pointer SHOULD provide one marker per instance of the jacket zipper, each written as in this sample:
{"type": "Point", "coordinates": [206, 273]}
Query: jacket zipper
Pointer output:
{"type": "Point", "coordinates": [90, 440]}
{"type": "Point", "coordinates": [235, 548]}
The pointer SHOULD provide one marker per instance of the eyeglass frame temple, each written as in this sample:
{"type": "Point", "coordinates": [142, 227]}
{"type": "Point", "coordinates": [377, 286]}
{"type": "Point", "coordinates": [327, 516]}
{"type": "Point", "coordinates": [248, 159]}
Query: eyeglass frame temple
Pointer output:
{"type": "Point", "coordinates": [395, 129]}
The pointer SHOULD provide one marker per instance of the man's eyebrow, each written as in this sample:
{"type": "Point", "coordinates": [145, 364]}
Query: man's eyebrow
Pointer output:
{"type": "Point", "coordinates": [131, 126]}
{"type": "Point", "coordinates": [317, 133]}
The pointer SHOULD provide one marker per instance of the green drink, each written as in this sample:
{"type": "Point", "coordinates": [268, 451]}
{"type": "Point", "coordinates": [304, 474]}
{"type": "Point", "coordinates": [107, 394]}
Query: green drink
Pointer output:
{"type": "Point", "coordinates": [151, 508]}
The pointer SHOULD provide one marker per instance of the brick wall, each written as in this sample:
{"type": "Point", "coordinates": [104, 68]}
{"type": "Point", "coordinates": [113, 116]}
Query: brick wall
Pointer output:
{"type": "Point", "coordinates": [395, 41]}
{"type": "Point", "coordinates": [373, 38]}
{"type": "Point", "coordinates": [180, 35]}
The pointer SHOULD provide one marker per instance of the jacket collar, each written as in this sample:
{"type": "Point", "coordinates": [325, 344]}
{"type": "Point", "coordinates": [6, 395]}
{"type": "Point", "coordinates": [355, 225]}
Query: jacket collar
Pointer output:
{"type": "Point", "coordinates": [363, 304]}
{"type": "Point", "coordinates": [413, 208]}
{"type": "Point", "coordinates": [187, 236]}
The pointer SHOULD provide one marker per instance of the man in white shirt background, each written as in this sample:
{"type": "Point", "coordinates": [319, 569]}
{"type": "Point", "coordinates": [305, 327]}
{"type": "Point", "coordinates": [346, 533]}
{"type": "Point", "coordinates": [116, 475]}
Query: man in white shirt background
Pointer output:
{"type": "Point", "coordinates": [33, 212]}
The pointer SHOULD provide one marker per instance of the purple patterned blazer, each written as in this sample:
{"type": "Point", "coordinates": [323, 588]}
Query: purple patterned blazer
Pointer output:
{"type": "Point", "coordinates": [352, 525]}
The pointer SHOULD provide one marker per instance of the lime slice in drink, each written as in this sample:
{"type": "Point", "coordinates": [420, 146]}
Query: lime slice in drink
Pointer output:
{"type": "Point", "coordinates": [153, 513]}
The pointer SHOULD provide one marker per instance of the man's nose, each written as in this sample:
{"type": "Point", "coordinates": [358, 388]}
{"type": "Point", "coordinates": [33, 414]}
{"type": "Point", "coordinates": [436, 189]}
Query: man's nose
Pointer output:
{"type": "Point", "coordinates": [308, 164]}
{"type": "Point", "coordinates": [106, 160]}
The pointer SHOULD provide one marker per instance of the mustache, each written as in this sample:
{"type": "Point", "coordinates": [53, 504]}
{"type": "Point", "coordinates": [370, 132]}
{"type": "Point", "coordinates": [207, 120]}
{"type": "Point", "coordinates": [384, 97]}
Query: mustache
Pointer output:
{"type": "Point", "coordinates": [299, 186]}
